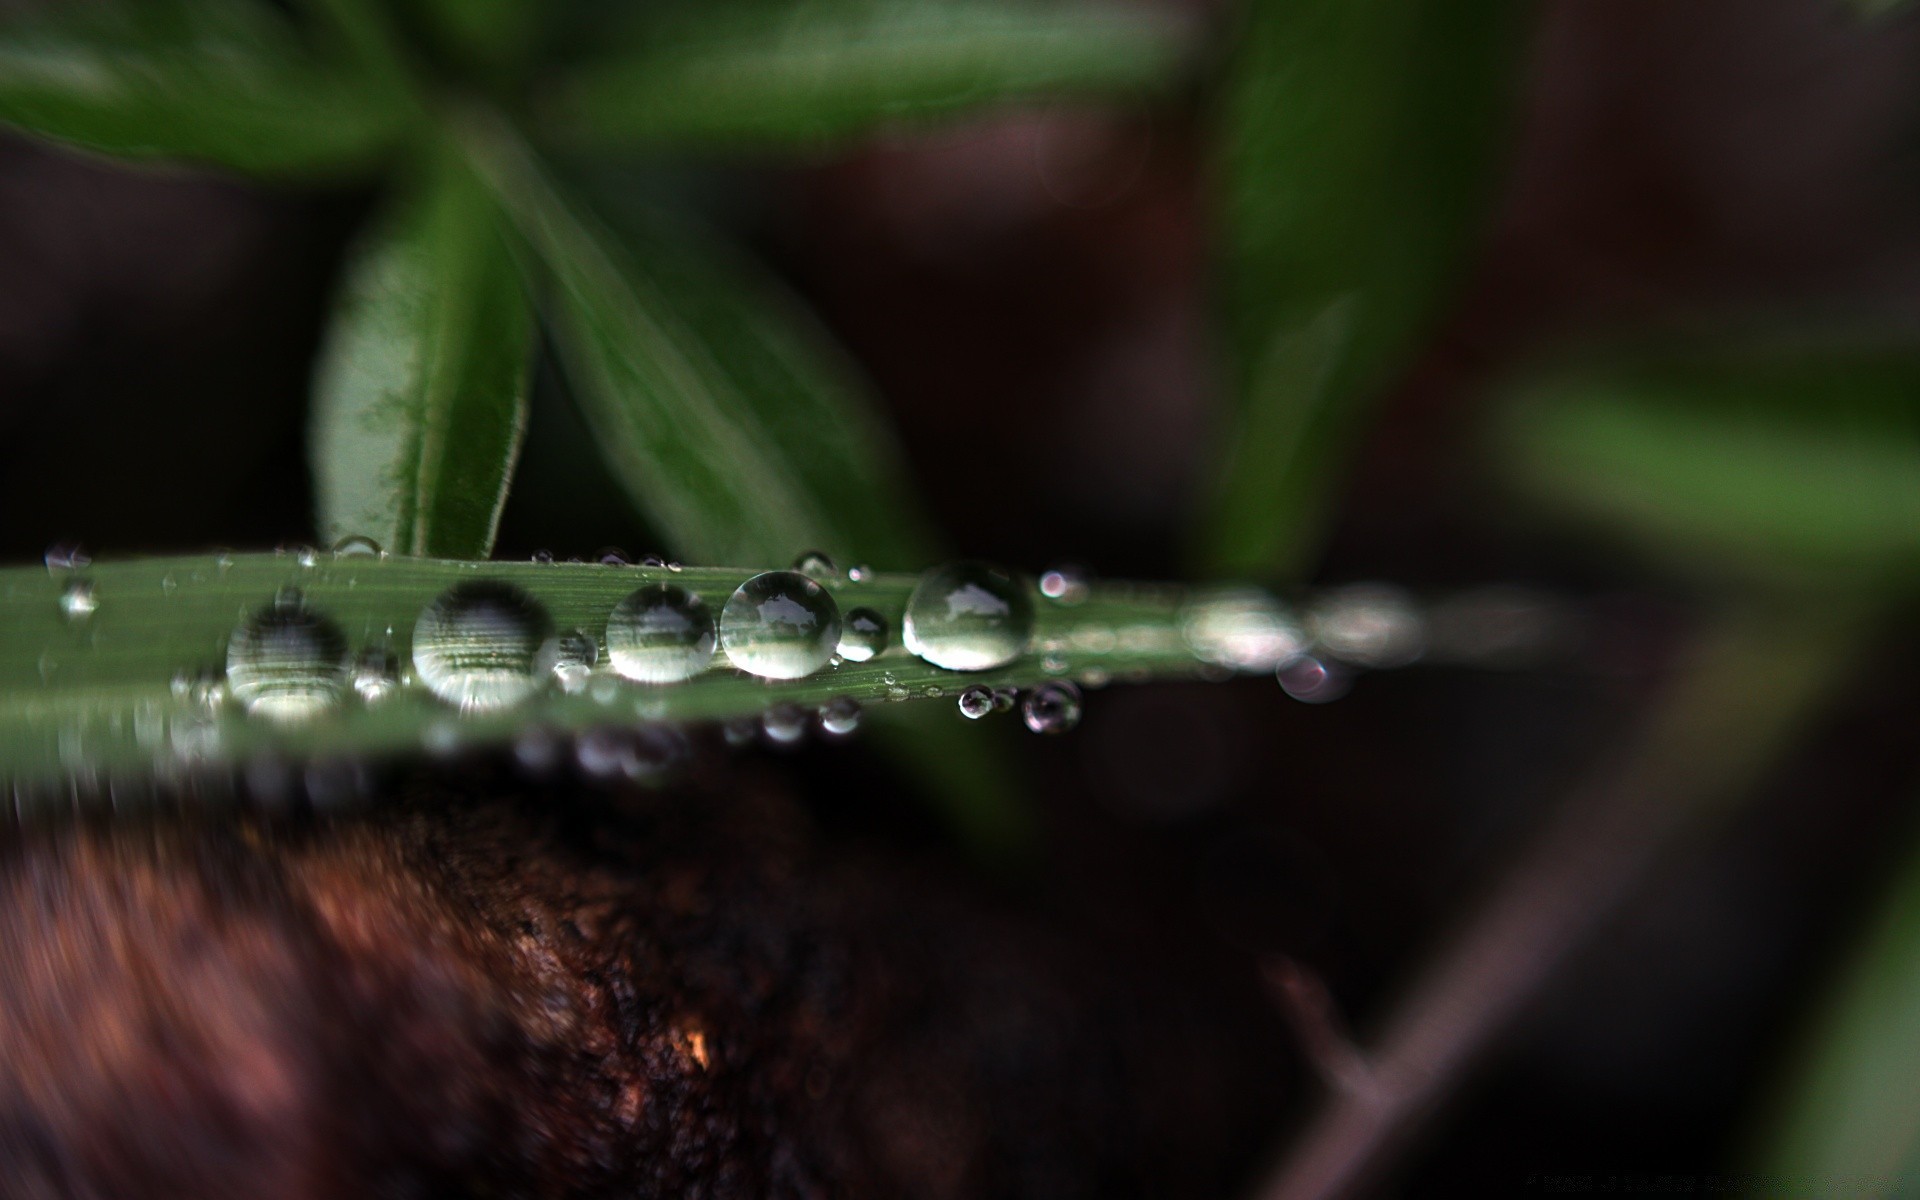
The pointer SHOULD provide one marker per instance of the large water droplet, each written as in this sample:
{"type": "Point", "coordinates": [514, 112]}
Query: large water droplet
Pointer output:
{"type": "Point", "coordinates": [968, 616]}
{"type": "Point", "coordinates": [1051, 708]}
{"type": "Point", "coordinates": [863, 634]}
{"type": "Point", "coordinates": [660, 634]}
{"type": "Point", "coordinates": [780, 625]}
{"type": "Point", "coordinates": [77, 600]}
{"type": "Point", "coordinates": [976, 702]}
{"type": "Point", "coordinates": [286, 662]}
{"type": "Point", "coordinates": [483, 646]}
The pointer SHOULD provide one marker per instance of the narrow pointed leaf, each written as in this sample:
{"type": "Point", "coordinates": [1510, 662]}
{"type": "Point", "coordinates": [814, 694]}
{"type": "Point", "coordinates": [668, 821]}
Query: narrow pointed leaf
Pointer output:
{"type": "Point", "coordinates": [486, 33]}
{"type": "Point", "coordinates": [221, 82]}
{"type": "Point", "coordinates": [779, 72]}
{"type": "Point", "coordinates": [736, 443]}
{"type": "Point", "coordinates": [1357, 140]}
{"type": "Point", "coordinates": [420, 397]}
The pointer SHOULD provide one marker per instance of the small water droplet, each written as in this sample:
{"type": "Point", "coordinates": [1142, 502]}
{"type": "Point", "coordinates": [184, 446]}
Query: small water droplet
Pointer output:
{"type": "Point", "coordinates": [1065, 584]}
{"type": "Point", "coordinates": [897, 693]}
{"type": "Point", "coordinates": [66, 556]}
{"type": "Point", "coordinates": [784, 724]}
{"type": "Point", "coordinates": [863, 634]}
{"type": "Point", "coordinates": [932, 691]}
{"type": "Point", "coordinates": [1312, 681]}
{"type": "Point", "coordinates": [780, 625]}
{"type": "Point", "coordinates": [675, 567]}
{"type": "Point", "coordinates": [1368, 624]}
{"type": "Point", "coordinates": [1243, 630]}
{"type": "Point", "coordinates": [287, 663]}
{"type": "Point", "coordinates": [976, 702]}
{"type": "Point", "coordinates": [968, 616]}
{"type": "Point", "coordinates": [168, 584]}
{"type": "Point", "coordinates": [815, 565]}
{"type": "Point", "coordinates": [611, 556]}
{"type": "Point", "coordinates": [859, 573]}
{"type": "Point", "coordinates": [1051, 708]}
{"type": "Point", "coordinates": [652, 562]}
{"type": "Point", "coordinates": [543, 557]}
{"type": "Point", "coordinates": [1053, 664]}
{"type": "Point", "coordinates": [77, 600]}
{"type": "Point", "coordinates": [356, 546]}
{"type": "Point", "coordinates": [483, 646]}
{"type": "Point", "coordinates": [1095, 677]}
{"type": "Point", "coordinates": [740, 731]}
{"type": "Point", "coordinates": [306, 556]}
{"type": "Point", "coordinates": [1005, 698]}
{"type": "Point", "coordinates": [376, 674]}
{"type": "Point", "coordinates": [575, 654]}
{"type": "Point", "coordinates": [840, 716]}
{"type": "Point", "coordinates": [661, 633]}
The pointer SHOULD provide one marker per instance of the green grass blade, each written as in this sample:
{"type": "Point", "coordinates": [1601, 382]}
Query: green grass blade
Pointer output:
{"type": "Point", "coordinates": [1774, 467]}
{"type": "Point", "coordinates": [772, 73]}
{"type": "Point", "coordinates": [1356, 140]}
{"type": "Point", "coordinates": [220, 82]}
{"type": "Point", "coordinates": [1850, 1120]}
{"type": "Point", "coordinates": [421, 394]}
{"type": "Point", "coordinates": [669, 377]}
{"type": "Point", "coordinates": [103, 698]}
{"type": "Point", "coordinates": [493, 35]}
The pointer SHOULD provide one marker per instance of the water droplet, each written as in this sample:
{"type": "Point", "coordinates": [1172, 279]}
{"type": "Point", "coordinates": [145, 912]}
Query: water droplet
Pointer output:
{"type": "Point", "coordinates": [77, 600]}
{"type": "Point", "coordinates": [611, 556]}
{"type": "Point", "coordinates": [840, 716]}
{"type": "Point", "coordinates": [575, 654]}
{"type": "Point", "coordinates": [815, 565]}
{"type": "Point", "coordinates": [650, 754]}
{"type": "Point", "coordinates": [740, 731]}
{"type": "Point", "coordinates": [1095, 677]}
{"type": "Point", "coordinates": [968, 616]}
{"type": "Point", "coordinates": [932, 691]}
{"type": "Point", "coordinates": [675, 567]}
{"type": "Point", "coordinates": [537, 750]}
{"type": "Point", "coordinates": [1054, 664]}
{"type": "Point", "coordinates": [784, 724]}
{"type": "Point", "coordinates": [306, 556]}
{"type": "Point", "coordinates": [286, 662]}
{"type": "Point", "coordinates": [859, 573]}
{"type": "Point", "coordinates": [780, 625]}
{"type": "Point", "coordinates": [1051, 708]}
{"type": "Point", "coordinates": [863, 634]}
{"type": "Point", "coordinates": [543, 557]}
{"type": "Point", "coordinates": [1368, 624]}
{"type": "Point", "coordinates": [976, 702]}
{"type": "Point", "coordinates": [1312, 681]}
{"type": "Point", "coordinates": [66, 556]}
{"type": "Point", "coordinates": [483, 646]}
{"type": "Point", "coordinates": [1065, 585]}
{"type": "Point", "coordinates": [376, 674]}
{"type": "Point", "coordinates": [1005, 698]}
{"type": "Point", "coordinates": [356, 546]}
{"type": "Point", "coordinates": [652, 562]}
{"type": "Point", "coordinates": [661, 633]}
{"type": "Point", "coordinates": [1244, 630]}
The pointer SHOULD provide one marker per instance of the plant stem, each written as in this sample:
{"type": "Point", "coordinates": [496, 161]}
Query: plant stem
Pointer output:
{"type": "Point", "coordinates": [1753, 682]}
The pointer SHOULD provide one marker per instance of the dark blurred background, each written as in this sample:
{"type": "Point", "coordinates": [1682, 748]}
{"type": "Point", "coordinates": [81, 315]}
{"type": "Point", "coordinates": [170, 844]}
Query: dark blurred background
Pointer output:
{"type": "Point", "coordinates": [1029, 293]}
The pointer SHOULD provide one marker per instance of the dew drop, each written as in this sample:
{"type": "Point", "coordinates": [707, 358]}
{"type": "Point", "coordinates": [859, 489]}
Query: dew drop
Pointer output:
{"type": "Point", "coordinates": [483, 646]}
{"type": "Point", "coordinates": [976, 702]}
{"type": "Point", "coordinates": [287, 663]}
{"type": "Point", "coordinates": [740, 731]}
{"type": "Point", "coordinates": [356, 546]}
{"type": "Point", "coordinates": [1004, 699]}
{"type": "Point", "coordinates": [77, 600]}
{"type": "Point", "coordinates": [859, 573]}
{"type": "Point", "coordinates": [376, 674]}
{"type": "Point", "coordinates": [784, 724]}
{"type": "Point", "coordinates": [575, 654]}
{"type": "Point", "coordinates": [1313, 681]}
{"type": "Point", "coordinates": [1066, 585]}
{"type": "Point", "coordinates": [543, 557]}
{"type": "Point", "coordinates": [1368, 625]}
{"type": "Point", "coordinates": [863, 634]}
{"type": "Point", "coordinates": [840, 716]}
{"type": "Point", "coordinates": [815, 565]}
{"type": "Point", "coordinates": [1243, 630]}
{"type": "Point", "coordinates": [652, 561]}
{"type": "Point", "coordinates": [780, 625]}
{"type": "Point", "coordinates": [1051, 708]}
{"type": "Point", "coordinates": [661, 633]}
{"type": "Point", "coordinates": [65, 556]}
{"type": "Point", "coordinates": [968, 616]}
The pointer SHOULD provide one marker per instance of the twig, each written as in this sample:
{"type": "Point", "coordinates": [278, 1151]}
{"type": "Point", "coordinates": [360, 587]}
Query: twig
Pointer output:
{"type": "Point", "coordinates": [1753, 681]}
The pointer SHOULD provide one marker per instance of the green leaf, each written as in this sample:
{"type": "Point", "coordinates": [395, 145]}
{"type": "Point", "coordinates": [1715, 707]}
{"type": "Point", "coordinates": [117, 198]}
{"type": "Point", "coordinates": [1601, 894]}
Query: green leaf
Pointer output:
{"type": "Point", "coordinates": [421, 394]}
{"type": "Point", "coordinates": [223, 82]}
{"type": "Point", "coordinates": [1850, 1124]}
{"type": "Point", "coordinates": [1356, 140]}
{"type": "Point", "coordinates": [731, 427]}
{"type": "Point", "coordinates": [780, 72]}
{"type": "Point", "coordinates": [1774, 466]}
{"type": "Point", "coordinates": [491, 34]}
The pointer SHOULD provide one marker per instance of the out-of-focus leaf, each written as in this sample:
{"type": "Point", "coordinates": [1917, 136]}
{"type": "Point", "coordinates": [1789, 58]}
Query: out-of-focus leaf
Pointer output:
{"type": "Point", "coordinates": [1850, 1124]}
{"type": "Point", "coordinates": [715, 412]}
{"type": "Point", "coordinates": [765, 71]}
{"type": "Point", "coordinates": [420, 399]}
{"type": "Point", "coordinates": [488, 33]}
{"type": "Point", "coordinates": [223, 82]}
{"type": "Point", "coordinates": [1781, 466]}
{"type": "Point", "coordinates": [1356, 144]}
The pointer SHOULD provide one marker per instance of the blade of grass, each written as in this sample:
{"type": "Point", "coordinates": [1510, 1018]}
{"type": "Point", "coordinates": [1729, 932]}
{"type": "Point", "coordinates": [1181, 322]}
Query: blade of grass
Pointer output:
{"type": "Point", "coordinates": [760, 73]}
{"type": "Point", "coordinates": [222, 82]}
{"type": "Point", "coordinates": [496, 35]}
{"type": "Point", "coordinates": [1355, 140]}
{"type": "Point", "coordinates": [420, 399]}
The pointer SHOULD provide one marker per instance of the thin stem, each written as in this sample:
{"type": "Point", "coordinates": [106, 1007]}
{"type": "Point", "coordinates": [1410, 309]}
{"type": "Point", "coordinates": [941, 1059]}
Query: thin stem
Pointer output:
{"type": "Point", "coordinates": [1752, 683]}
